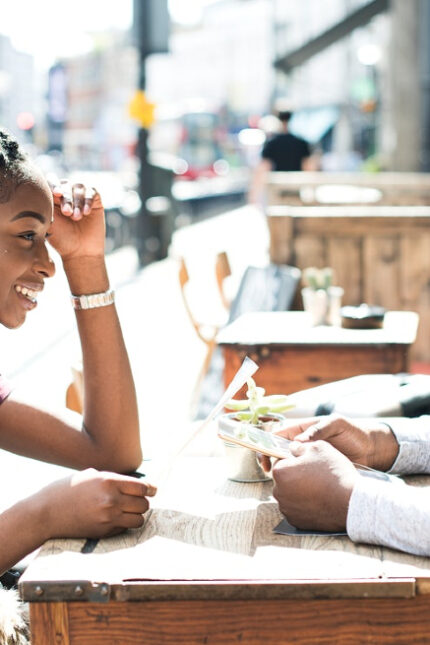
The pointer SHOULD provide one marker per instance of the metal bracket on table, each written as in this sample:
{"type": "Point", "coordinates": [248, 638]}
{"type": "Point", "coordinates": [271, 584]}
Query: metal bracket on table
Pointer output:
{"type": "Point", "coordinates": [79, 590]}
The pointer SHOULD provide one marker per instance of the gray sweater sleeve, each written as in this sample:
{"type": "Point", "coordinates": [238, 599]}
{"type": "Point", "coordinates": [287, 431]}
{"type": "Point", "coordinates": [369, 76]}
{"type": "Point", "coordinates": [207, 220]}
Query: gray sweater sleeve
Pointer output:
{"type": "Point", "coordinates": [413, 436]}
{"type": "Point", "coordinates": [390, 513]}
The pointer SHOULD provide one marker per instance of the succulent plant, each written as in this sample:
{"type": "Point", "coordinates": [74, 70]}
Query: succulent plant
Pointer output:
{"type": "Point", "coordinates": [318, 278]}
{"type": "Point", "coordinates": [258, 405]}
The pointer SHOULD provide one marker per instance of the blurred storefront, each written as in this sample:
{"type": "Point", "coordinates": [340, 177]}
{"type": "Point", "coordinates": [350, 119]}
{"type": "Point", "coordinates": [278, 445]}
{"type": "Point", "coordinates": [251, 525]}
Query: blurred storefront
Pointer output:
{"type": "Point", "coordinates": [97, 133]}
{"type": "Point", "coordinates": [17, 89]}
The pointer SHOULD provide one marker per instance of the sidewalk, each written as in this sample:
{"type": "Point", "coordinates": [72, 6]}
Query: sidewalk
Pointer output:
{"type": "Point", "coordinates": [165, 353]}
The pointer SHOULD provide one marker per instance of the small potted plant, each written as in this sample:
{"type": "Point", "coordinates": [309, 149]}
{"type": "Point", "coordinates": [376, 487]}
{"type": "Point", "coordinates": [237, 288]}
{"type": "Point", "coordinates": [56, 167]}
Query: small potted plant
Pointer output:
{"type": "Point", "coordinates": [321, 299]}
{"type": "Point", "coordinates": [264, 412]}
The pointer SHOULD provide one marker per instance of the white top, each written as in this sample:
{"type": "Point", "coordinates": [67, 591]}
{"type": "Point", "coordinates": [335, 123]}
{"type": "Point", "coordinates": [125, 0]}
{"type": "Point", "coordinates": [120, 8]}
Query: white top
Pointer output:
{"type": "Point", "coordinates": [392, 513]}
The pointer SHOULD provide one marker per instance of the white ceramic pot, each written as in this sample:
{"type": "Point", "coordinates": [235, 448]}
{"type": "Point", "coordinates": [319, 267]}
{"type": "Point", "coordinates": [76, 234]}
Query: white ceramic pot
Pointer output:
{"type": "Point", "coordinates": [323, 305]}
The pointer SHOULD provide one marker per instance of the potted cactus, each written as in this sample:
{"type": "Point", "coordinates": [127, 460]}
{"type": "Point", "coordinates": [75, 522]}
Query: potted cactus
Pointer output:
{"type": "Point", "coordinates": [321, 299]}
{"type": "Point", "coordinates": [257, 410]}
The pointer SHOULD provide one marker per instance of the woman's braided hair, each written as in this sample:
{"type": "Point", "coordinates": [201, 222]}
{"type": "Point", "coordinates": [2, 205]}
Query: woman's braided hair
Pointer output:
{"type": "Point", "coordinates": [15, 167]}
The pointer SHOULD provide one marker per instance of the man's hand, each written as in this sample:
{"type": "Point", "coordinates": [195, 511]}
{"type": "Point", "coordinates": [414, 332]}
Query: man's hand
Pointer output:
{"type": "Point", "coordinates": [78, 229]}
{"type": "Point", "coordinates": [369, 443]}
{"type": "Point", "coordinates": [313, 486]}
{"type": "Point", "coordinates": [92, 504]}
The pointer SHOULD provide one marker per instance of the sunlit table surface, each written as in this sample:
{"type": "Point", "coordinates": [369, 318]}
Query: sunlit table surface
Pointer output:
{"type": "Point", "coordinates": [206, 563]}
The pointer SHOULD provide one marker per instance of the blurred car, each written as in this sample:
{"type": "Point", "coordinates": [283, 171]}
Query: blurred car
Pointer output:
{"type": "Point", "coordinates": [193, 138]}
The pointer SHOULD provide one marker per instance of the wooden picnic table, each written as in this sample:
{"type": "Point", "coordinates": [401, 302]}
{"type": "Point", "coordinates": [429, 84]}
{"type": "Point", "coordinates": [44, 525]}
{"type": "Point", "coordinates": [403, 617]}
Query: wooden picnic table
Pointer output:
{"type": "Point", "coordinates": [208, 568]}
{"type": "Point", "coordinates": [294, 355]}
{"type": "Point", "coordinates": [318, 188]}
{"type": "Point", "coordinates": [379, 254]}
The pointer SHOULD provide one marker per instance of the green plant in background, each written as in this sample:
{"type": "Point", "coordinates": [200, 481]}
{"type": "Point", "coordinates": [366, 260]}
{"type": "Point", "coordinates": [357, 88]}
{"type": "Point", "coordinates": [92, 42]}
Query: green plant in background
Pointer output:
{"type": "Point", "coordinates": [318, 278]}
{"type": "Point", "coordinates": [257, 405]}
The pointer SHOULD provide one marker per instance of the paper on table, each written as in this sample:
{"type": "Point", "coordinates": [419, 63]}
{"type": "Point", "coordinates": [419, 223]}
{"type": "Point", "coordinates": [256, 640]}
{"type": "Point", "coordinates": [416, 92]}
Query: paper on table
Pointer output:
{"type": "Point", "coordinates": [245, 371]}
{"type": "Point", "coordinates": [285, 528]}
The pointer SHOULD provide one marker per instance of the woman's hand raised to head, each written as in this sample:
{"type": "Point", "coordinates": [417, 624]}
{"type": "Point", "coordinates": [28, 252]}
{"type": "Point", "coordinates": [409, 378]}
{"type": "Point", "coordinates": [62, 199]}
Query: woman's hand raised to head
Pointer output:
{"type": "Point", "coordinates": [78, 229]}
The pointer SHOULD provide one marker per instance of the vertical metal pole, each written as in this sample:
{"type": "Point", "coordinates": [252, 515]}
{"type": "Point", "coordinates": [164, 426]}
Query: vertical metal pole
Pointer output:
{"type": "Point", "coordinates": [143, 228]}
{"type": "Point", "coordinates": [147, 242]}
{"type": "Point", "coordinates": [424, 61]}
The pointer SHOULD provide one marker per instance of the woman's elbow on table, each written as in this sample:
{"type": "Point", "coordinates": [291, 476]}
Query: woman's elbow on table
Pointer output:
{"type": "Point", "coordinates": [114, 457]}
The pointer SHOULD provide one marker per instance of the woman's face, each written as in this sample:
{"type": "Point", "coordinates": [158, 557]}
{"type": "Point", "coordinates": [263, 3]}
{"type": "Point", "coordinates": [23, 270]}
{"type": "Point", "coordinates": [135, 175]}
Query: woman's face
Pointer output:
{"type": "Point", "coordinates": [24, 260]}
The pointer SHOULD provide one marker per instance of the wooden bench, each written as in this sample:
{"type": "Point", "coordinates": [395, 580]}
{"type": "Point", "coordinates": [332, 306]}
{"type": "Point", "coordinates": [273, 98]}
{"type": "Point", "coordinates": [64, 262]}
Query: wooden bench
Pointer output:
{"type": "Point", "coordinates": [380, 254]}
{"type": "Point", "coordinates": [317, 188]}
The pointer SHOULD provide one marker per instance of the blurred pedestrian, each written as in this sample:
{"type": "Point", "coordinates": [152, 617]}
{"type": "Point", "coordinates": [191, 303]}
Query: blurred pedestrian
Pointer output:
{"type": "Point", "coordinates": [89, 503]}
{"type": "Point", "coordinates": [282, 152]}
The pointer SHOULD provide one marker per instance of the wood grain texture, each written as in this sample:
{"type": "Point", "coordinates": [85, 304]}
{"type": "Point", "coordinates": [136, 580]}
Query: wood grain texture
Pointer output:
{"type": "Point", "coordinates": [367, 621]}
{"type": "Point", "coordinates": [381, 280]}
{"type": "Point", "coordinates": [49, 623]}
{"type": "Point", "coordinates": [281, 234]}
{"type": "Point", "coordinates": [286, 370]}
{"type": "Point", "coordinates": [345, 258]}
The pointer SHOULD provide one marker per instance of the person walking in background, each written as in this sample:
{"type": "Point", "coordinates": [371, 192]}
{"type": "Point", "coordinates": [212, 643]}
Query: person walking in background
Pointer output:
{"type": "Point", "coordinates": [284, 152]}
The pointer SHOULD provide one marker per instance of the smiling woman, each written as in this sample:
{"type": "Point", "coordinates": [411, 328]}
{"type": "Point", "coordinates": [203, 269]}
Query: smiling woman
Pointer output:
{"type": "Point", "coordinates": [25, 263]}
{"type": "Point", "coordinates": [90, 503]}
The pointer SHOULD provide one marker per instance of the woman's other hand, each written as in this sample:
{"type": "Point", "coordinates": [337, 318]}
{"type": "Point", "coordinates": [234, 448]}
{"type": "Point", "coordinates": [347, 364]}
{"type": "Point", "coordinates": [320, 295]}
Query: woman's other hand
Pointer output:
{"type": "Point", "coordinates": [93, 504]}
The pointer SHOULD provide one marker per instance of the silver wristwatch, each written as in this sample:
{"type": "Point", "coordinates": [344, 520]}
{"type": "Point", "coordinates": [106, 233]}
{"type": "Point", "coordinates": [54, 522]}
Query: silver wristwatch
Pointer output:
{"type": "Point", "coordinates": [93, 300]}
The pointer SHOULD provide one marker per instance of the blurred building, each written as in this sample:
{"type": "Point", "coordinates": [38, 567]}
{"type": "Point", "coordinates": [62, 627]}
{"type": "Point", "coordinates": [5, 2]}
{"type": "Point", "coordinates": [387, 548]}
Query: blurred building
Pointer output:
{"type": "Point", "coordinates": [226, 59]}
{"type": "Point", "coordinates": [17, 86]}
{"type": "Point", "coordinates": [369, 59]}
{"type": "Point", "coordinates": [356, 72]}
{"type": "Point", "coordinates": [97, 131]}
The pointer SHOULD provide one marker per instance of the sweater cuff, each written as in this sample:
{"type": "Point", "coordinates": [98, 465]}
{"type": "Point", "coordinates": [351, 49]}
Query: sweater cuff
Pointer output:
{"type": "Point", "coordinates": [390, 513]}
{"type": "Point", "coordinates": [363, 520]}
{"type": "Point", "coordinates": [413, 437]}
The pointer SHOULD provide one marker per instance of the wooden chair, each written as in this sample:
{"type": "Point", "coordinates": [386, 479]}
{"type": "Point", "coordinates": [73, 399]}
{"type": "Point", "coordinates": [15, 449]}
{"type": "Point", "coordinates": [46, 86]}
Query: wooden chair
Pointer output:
{"type": "Point", "coordinates": [206, 331]}
{"type": "Point", "coordinates": [222, 272]}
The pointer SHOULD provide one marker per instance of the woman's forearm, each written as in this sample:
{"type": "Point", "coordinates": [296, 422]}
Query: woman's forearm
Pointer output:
{"type": "Point", "coordinates": [22, 530]}
{"type": "Point", "coordinates": [110, 406]}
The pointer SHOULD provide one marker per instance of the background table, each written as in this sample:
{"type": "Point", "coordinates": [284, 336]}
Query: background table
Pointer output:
{"type": "Point", "coordinates": [293, 355]}
{"type": "Point", "coordinates": [207, 568]}
{"type": "Point", "coordinates": [379, 254]}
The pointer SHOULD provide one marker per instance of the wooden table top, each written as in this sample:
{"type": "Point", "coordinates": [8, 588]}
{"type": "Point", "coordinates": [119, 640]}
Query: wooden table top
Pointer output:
{"type": "Point", "coordinates": [208, 537]}
{"type": "Point", "coordinates": [295, 328]}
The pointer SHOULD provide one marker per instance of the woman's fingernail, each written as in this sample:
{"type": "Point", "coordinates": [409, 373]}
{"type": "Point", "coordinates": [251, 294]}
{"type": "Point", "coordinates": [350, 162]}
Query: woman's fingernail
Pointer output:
{"type": "Point", "coordinates": [151, 490]}
{"type": "Point", "coordinates": [87, 209]}
{"type": "Point", "coordinates": [66, 208]}
{"type": "Point", "coordinates": [76, 211]}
